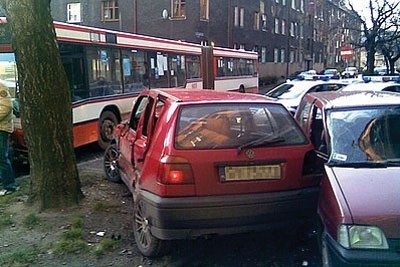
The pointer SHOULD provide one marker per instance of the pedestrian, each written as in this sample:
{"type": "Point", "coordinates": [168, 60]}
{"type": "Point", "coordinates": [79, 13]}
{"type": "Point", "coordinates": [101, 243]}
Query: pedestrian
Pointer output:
{"type": "Point", "coordinates": [7, 177]}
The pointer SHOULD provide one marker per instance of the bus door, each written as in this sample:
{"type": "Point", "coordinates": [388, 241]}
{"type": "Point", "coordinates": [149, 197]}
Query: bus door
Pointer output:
{"type": "Point", "coordinates": [177, 73]}
{"type": "Point", "coordinates": [159, 74]}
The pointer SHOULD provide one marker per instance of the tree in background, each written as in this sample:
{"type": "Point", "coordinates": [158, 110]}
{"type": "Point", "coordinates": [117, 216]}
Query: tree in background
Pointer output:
{"type": "Point", "coordinates": [46, 111]}
{"type": "Point", "coordinates": [391, 52]}
{"type": "Point", "coordinates": [380, 26]}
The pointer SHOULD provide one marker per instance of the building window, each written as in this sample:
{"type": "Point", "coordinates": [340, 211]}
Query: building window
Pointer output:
{"type": "Point", "coordinates": [256, 25]}
{"type": "Point", "coordinates": [276, 55]}
{"type": "Point", "coordinates": [293, 4]}
{"type": "Point", "coordinates": [283, 55]}
{"type": "Point", "coordinates": [263, 54]}
{"type": "Point", "coordinates": [241, 23]}
{"type": "Point", "coordinates": [283, 27]}
{"type": "Point", "coordinates": [74, 12]}
{"type": "Point", "coordinates": [239, 17]}
{"type": "Point", "coordinates": [109, 10]}
{"type": "Point", "coordinates": [292, 29]}
{"type": "Point", "coordinates": [262, 7]}
{"type": "Point", "coordinates": [284, 2]}
{"type": "Point", "coordinates": [276, 29]}
{"type": "Point", "coordinates": [292, 57]}
{"type": "Point", "coordinates": [178, 8]}
{"type": "Point", "coordinates": [264, 22]}
{"type": "Point", "coordinates": [236, 16]}
{"type": "Point", "coordinates": [204, 10]}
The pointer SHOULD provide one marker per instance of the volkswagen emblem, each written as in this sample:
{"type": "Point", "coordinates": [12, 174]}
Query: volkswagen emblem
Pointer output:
{"type": "Point", "coordinates": [250, 154]}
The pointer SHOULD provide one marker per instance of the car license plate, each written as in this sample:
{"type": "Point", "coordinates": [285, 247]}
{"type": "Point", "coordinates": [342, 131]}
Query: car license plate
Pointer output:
{"type": "Point", "coordinates": [257, 172]}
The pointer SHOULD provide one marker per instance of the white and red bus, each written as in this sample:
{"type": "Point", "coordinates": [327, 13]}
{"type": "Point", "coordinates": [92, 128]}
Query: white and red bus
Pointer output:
{"type": "Point", "coordinates": [107, 69]}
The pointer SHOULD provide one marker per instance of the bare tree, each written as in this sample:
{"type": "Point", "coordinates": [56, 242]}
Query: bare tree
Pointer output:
{"type": "Point", "coordinates": [391, 52]}
{"type": "Point", "coordinates": [379, 27]}
{"type": "Point", "coordinates": [45, 104]}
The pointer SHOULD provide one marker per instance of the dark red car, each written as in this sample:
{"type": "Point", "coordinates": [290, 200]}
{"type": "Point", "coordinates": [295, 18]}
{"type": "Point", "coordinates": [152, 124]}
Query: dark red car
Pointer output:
{"type": "Point", "coordinates": [202, 163]}
{"type": "Point", "coordinates": [357, 140]}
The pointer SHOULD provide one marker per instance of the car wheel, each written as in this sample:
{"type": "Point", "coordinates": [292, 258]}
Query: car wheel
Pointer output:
{"type": "Point", "coordinates": [147, 244]}
{"type": "Point", "coordinates": [108, 121]}
{"type": "Point", "coordinates": [110, 163]}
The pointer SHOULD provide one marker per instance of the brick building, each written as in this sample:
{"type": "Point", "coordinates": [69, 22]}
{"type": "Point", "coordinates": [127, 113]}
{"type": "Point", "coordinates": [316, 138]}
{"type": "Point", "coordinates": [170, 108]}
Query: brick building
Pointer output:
{"type": "Point", "coordinates": [289, 35]}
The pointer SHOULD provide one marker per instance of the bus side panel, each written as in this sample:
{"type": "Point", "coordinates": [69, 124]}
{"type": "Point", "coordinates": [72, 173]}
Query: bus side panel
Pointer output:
{"type": "Point", "coordinates": [86, 133]}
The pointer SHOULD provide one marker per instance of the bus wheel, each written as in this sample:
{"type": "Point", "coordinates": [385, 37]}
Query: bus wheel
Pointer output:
{"type": "Point", "coordinates": [241, 89]}
{"type": "Point", "coordinates": [107, 123]}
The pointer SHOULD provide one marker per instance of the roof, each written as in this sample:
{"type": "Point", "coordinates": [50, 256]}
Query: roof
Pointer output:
{"type": "Point", "coordinates": [375, 86]}
{"type": "Point", "coordinates": [352, 99]}
{"type": "Point", "coordinates": [196, 95]}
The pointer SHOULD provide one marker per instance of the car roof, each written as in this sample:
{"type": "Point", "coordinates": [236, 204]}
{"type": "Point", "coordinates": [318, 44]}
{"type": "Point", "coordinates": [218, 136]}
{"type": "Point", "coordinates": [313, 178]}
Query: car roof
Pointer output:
{"type": "Point", "coordinates": [375, 86]}
{"type": "Point", "coordinates": [352, 99]}
{"type": "Point", "coordinates": [199, 95]}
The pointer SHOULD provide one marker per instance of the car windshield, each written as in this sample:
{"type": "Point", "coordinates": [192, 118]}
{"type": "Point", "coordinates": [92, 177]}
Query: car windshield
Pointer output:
{"type": "Point", "coordinates": [287, 91]}
{"type": "Point", "coordinates": [210, 126]}
{"type": "Point", "coordinates": [364, 137]}
{"type": "Point", "coordinates": [330, 71]}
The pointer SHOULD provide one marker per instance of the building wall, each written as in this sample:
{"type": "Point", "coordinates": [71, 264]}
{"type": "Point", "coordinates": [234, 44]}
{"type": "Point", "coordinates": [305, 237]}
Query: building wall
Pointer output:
{"type": "Point", "coordinates": [312, 50]}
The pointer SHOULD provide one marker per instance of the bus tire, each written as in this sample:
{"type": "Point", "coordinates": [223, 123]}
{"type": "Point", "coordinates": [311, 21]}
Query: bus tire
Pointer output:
{"type": "Point", "coordinates": [107, 123]}
{"type": "Point", "coordinates": [241, 89]}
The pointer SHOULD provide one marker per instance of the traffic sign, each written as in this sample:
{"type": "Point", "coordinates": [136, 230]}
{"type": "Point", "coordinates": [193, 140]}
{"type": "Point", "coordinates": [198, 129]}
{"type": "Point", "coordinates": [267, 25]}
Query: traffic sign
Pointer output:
{"type": "Point", "coordinates": [346, 52]}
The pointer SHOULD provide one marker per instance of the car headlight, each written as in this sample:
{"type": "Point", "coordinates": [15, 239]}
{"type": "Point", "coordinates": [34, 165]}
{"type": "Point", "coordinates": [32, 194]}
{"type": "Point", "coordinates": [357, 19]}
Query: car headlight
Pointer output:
{"type": "Point", "coordinates": [361, 237]}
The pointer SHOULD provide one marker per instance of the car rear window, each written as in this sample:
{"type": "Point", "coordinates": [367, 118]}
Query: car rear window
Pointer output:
{"type": "Point", "coordinates": [236, 125]}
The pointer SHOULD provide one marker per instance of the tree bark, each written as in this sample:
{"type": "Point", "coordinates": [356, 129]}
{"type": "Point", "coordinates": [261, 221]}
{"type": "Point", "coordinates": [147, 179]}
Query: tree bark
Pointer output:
{"type": "Point", "coordinates": [45, 105]}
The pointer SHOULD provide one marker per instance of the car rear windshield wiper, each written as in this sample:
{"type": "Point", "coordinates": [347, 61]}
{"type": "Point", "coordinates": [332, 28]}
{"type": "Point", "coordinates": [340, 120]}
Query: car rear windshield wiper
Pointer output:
{"type": "Point", "coordinates": [264, 140]}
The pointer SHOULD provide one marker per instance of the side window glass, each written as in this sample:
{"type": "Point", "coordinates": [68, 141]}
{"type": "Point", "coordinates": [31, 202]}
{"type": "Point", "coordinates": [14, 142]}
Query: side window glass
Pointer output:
{"type": "Point", "coordinates": [137, 112]}
{"type": "Point", "coordinates": [304, 109]}
{"type": "Point", "coordinates": [147, 117]}
{"type": "Point", "coordinates": [317, 134]}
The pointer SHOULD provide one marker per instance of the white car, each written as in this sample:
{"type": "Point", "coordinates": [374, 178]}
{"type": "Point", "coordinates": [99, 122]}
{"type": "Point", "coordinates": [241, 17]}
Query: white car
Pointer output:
{"type": "Point", "coordinates": [391, 86]}
{"type": "Point", "coordinates": [290, 93]}
{"type": "Point", "coordinates": [350, 72]}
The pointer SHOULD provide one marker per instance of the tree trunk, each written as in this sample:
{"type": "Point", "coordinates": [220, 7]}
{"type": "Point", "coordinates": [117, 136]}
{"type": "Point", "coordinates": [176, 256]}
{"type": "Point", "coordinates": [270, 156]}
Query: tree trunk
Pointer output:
{"type": "Point", "coordinates": [45, 105]}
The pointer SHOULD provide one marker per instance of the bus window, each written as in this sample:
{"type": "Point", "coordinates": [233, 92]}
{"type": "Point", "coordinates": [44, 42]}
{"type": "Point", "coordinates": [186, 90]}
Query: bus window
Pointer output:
{"type": "Point", "coordinates": [177, 70]}
{"type": "Point", "coordinates": [104, 71]}
{"type": "Point", "coordinates": [158, 70]}
{"type": "Point", "coordinates": [221, 68]}
{"type": "Point", "coordinates": [192, 67]}
{"type": "Point", "coordinates": [72, 59]}
{"type": "Point", "coordinates": [8, 72]}
{"type": "Point", "coordinates": [135, 70]}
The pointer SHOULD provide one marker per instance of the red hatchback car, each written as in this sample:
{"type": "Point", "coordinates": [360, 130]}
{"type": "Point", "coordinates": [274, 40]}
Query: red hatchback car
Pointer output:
{"type": "Point", "coordinates": [357, 140]}
{"type": "Point", "coordinates": [201, 163]}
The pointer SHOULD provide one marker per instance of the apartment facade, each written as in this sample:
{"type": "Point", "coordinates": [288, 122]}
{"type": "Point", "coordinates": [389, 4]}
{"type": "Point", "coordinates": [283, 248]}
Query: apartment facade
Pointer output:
{"type": "Point", "coordinates": [289, 35]}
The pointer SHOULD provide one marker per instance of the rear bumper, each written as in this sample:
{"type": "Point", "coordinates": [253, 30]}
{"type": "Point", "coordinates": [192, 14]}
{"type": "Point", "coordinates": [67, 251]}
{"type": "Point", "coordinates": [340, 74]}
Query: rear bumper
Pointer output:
{"type": "Point", "coordinates": [189, 217]}
{"type": "Point", "coordinates": [342, 257]}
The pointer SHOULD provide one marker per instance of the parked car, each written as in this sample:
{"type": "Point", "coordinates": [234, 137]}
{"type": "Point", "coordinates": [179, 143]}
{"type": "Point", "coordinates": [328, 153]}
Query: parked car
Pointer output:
{"type": "Point", "coordinates": [290, 93]}
{"type": "Point", "coordinates": [332, 73]}
{"type": "Point", "coordinates": [350, 72]}
{"type": "Point", "coordinates": [356, 136]}
{"type": "Point", "coordinates": [390, 86]}
{"type": "Point", "coordinates": [203, 163]}
{"type": "Point", "coordinates": [380, 70]}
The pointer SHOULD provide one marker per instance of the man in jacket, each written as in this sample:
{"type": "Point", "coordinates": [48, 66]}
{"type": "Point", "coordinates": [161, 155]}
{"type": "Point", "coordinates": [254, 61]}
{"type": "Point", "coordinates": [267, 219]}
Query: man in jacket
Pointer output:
{"type": "Point", "coordinates": [7, 177]}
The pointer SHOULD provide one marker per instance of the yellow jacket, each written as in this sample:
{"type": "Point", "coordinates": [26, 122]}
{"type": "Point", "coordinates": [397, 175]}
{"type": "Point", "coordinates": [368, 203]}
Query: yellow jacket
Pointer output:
{"type": "Point", "coordinates": [6, 111]}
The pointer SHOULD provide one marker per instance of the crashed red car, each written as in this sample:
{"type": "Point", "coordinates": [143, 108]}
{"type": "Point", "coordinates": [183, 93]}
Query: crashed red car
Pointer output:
{"type": "Point", "coordinates": [202, 163]}
{"type": "Point", "coordinates": [356, 136]}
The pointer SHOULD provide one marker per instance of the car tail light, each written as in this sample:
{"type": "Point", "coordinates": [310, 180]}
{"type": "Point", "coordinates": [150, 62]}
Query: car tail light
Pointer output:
{"type": "Point", "coordinates": [175, 170]}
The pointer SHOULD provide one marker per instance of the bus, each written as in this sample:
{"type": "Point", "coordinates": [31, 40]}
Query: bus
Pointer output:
{"type": "Point", "coordinates": [107, 69]}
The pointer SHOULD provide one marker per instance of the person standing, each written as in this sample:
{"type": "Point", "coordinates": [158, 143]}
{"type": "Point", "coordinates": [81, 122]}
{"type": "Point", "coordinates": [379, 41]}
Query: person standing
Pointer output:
{"type": "Point", "coordinates": [7, 176]}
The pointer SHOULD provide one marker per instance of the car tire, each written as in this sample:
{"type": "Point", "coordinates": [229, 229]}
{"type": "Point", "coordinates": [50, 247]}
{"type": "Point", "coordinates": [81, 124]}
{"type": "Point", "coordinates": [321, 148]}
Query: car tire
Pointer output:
{"type": "Point", "coordinates": [110, 164]}
{"type": "Point", "coordinates": [147, 244]}
{"type": "Point", "coordinates": [241, 89]}
{"type": "Point", "coordinates": [107, 122]}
